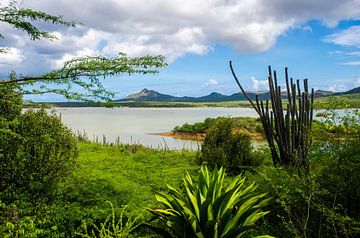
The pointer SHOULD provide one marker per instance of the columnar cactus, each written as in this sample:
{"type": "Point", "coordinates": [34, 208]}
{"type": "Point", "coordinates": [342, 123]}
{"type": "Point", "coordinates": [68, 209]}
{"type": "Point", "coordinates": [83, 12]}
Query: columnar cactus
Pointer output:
{"type": "Point", "coordinates": [287, 126]}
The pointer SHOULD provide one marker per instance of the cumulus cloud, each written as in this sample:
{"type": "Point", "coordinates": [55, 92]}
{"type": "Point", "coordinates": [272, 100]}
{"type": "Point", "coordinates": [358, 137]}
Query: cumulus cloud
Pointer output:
{"type": "Point", "coordinates": [337, 88]}
{"type": "Point", "coordinates": [210, 84]}
{"type": "Point", "coordinates": [171, 28]}
{"type": "Point", "coordinates": [259, 84]}
{"type": "Point", "coordinates": [11, 56]}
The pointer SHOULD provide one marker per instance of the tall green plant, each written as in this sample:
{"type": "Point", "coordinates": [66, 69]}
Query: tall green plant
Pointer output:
{"type": "Point", "coordinates": [287, 132]}
{"type": "Point", "coordinates": [211, 209]}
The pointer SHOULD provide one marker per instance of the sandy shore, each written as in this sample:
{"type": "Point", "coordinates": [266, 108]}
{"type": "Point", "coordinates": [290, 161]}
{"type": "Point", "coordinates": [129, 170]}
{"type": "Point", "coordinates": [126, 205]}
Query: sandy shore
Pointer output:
{"type": "Point", "coordinates": [184, 136]}
{"type": "Point", "coordinates": [200, 136]}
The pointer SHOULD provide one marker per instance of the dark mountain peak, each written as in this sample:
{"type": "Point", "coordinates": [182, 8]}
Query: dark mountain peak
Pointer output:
{"type": "Point", "coordinates": [351, 91]}
{"type": "Point", "coordinates": [322, 93]}
{"type": "Point", "coordinates": [145, 90]}
{"type": "Point", "coordinates": [148, 95]}
{"type": "Point", "coordinates": [215, 94]}
{"type": "Point", "coordinates": [152, 95]}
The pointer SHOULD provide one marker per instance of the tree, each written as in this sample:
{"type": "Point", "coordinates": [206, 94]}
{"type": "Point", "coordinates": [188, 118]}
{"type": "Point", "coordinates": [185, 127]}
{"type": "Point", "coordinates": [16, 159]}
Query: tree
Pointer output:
{"type": "Point", "coordinates": [85, 72]}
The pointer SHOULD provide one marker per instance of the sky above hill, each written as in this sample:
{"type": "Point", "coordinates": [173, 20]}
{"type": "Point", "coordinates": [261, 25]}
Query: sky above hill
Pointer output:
{"type": "Point", "coordinates": [318, 40]}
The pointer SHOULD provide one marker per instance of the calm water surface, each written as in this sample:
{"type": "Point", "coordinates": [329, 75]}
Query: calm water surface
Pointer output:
{"type": "Point", "coordinates": [133, 125]}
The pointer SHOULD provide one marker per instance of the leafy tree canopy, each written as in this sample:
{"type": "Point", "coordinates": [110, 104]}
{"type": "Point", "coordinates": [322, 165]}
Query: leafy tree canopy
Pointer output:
{"type": "Point", "coordinates": [84, 73]}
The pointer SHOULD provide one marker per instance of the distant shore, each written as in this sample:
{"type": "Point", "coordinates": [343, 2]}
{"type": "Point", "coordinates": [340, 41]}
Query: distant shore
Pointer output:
{"type": "Point", "coordinates": [338, 102]}
{"type": "Point", "coordinates": [200, 136]}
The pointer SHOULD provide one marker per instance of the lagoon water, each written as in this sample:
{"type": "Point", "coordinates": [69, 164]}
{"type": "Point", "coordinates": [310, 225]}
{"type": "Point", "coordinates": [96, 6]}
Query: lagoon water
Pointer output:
{"type": "Point", "coordinates": [134, 125]}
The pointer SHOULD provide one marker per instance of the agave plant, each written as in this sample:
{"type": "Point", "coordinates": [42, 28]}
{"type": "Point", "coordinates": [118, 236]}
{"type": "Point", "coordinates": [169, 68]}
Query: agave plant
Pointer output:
{"type": "Point", "coordinates": [209, 209]}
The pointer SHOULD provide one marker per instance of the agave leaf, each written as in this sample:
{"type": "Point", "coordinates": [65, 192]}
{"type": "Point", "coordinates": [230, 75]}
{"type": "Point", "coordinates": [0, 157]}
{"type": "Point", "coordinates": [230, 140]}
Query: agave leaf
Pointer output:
{"type": "Point", "coordinates": [264, 236]}
{"type": "Point", "coordinates": [163, 200]}
{"type": "Point", "coordinates": [193, 202]}
{"type": "Point", "coordinates": [175, 191]}
{"type": "Point", "coordinates": [240, 211]}
{"type": "Point", "coordinates": [250, 220]}
{"type": "Point", "coordinates": [163, 212]}
{"type": "Point", "coordinates": [235, 182]}
{"type": "Point", "coordinates": [204, 180]}
{"type": "Point", "coordinates": [208, 210]}
{"type": "Point", "coordinates": [249, 189]}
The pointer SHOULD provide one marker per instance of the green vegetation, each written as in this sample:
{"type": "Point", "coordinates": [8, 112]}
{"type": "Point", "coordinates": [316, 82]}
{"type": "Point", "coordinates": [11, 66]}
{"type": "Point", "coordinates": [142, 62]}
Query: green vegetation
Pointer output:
{"type": "Point", "coordinates": [225, 145]}
{"type": "Point", "coordinates": [131, 175]}
{"type": "Point", "coordinates": [211, 209]}
{"type": "Point", "coordinates": [85, 73]}
{"type": "Point", "coordinates": [53, 185]}
{"type": "Point", "coordinates": [248, 125]}
{"type": "Point", "coordinates": [342, 101]}
{"type": "Point", "coordinates": [36, 150]}
{"type": "Point", "coordinates": [124, 175]}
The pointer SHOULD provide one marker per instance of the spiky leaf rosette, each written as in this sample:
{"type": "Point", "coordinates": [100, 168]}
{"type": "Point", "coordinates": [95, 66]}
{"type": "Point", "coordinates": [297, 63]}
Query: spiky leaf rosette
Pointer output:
{"type": "Point", "coordinates": [209, 209]}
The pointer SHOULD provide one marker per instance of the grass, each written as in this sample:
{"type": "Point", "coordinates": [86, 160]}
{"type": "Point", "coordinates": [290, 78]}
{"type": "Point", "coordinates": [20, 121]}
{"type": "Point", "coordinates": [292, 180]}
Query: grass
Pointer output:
{"type": "Point", "coordinates": [125, 175]}
{"type": "Point", "coordinates": [339, 102]}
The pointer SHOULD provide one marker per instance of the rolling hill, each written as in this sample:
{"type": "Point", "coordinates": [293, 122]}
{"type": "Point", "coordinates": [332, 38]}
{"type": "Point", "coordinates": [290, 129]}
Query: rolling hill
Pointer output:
{"type": "Point", "coordinates": [147, 95]}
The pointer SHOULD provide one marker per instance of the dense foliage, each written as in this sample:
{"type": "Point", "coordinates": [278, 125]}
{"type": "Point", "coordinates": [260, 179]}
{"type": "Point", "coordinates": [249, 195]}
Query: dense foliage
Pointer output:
{"type": "Point", "coordinates": [209, 208]}
{"type": "Point", "coordinates": [198, 127]}
{"type": "Point", "coordinates": [10, 102]}
{"type": "Point", "coordinates": [226, 146]}
{"type": "Point", "coordinates": [251, 125]}
{"type": "Point", "coordinates": [36, 149]}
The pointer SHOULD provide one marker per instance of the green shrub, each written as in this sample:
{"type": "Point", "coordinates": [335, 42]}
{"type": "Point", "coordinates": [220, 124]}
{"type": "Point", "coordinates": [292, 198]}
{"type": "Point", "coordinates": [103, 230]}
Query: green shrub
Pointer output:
{"type": "Point", "coordinates": [227, 146]}
{"type": "Point", "coordinates": [209, 208]}
{"type": "Point", "coordinates": [10, 102]}
{"type": "Point", "coordinates": [111, 227]}
{"type": "Point", "coordinates": [336, 157]}
{"type": "Point", "coordinates": [324, 202]}
{"type": "Point", "coordinates": [36, 150]}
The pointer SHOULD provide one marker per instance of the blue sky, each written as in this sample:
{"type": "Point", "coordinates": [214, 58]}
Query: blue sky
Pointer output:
{"type": "Point", "coordinates": [304, 50]}
{"type": "Point", "coordinates": [316, 40]}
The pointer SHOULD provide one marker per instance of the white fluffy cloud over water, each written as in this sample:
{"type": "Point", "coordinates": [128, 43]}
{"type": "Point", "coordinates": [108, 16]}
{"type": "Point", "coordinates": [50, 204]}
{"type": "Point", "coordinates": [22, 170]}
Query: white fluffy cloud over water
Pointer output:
{"type": "Point", "coordinates": [172, 28]}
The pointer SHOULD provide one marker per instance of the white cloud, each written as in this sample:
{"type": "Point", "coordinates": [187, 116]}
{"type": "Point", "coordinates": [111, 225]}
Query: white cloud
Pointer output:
{"type": "Point", "coordinates": [337, 88]}
{"type": "Point", "coordinates": [210, 84]}
{"type": "Point", "coordinates": [357, 82]}
{"type": "Point", "coordinates": [352, 63]}
{"type": "Point", "coordinates": [11, 56]}
{"type": "Point", "coordinates": [347, 37]}
{"type": "Point", "coordinates": [171, 28]}
{"type": "Point", "coordinates": [68, 56]}
{"type": "Point", "coordinates": [259, 84]}
{"type": "Point", "coordinates": [307, 28]}
{"type": "Point", "coordinates": [353, 53]}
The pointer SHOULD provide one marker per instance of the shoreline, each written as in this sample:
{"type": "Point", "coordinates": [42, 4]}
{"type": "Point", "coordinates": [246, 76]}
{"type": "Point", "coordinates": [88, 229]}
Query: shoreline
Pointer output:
{"type": "Point", "coordinates": [182, 136]}
{"type": "Point", "coordinates": [199, 136]}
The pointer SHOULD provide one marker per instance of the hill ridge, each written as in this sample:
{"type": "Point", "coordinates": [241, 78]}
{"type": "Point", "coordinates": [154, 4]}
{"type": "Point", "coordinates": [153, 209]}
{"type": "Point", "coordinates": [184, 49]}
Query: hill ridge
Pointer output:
{"type": "Point", "coordinates": [152, 95]}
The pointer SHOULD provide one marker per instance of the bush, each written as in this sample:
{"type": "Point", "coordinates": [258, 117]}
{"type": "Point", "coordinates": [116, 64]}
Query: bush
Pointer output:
{"type": "Point", "coordinates": [324, 202]}
{"type": "Point", "coordinates": [36, 150]}
{"type": "Point", "coordinates": [209, 208]}
{"type": "Point", "coordinates": [226, 146]}
{"type": "Point", "coordinates": [10, 102]}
